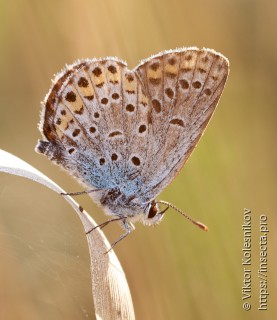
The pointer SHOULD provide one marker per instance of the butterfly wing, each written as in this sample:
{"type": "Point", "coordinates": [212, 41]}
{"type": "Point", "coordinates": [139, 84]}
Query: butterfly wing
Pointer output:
{"type": "Point", "coordinates": [95, 124]}
{"type": "Point", "coordinates": [183, 87]}
{"type": "Point", "coordinates": [130, 132]}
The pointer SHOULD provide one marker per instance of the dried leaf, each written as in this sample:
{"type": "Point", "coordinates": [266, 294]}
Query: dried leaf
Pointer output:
{"type": "Point", "coordinates": [111, 294]}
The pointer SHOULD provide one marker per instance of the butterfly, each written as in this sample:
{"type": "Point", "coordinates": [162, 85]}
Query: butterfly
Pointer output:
{"type": "Point", "coordinates": [126, 134]}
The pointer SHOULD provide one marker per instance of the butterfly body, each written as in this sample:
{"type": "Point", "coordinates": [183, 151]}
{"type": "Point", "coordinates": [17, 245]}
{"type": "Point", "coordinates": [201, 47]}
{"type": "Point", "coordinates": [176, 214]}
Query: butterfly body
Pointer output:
{"type": "Point", "coordinates": [127, 133]}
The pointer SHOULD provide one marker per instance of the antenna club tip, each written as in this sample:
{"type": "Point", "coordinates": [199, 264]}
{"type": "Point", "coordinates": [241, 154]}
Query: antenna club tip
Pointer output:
{"type": "Point", "coordinates": [201, 226]}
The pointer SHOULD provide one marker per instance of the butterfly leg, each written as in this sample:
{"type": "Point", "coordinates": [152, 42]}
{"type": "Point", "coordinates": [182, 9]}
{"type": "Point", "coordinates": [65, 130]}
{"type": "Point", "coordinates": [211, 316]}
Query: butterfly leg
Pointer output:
{"type": "Point", "coordinates": [79, 193]}
{"type": "Point", "coordinates": [102, 225]}
{"type": "Point", "coordinates": [129, 227]}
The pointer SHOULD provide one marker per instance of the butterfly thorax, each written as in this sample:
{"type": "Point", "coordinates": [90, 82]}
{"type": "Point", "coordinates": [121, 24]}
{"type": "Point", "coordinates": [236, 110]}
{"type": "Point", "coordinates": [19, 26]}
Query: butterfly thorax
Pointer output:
{"type": "Point", "coordinates": [116, 202]}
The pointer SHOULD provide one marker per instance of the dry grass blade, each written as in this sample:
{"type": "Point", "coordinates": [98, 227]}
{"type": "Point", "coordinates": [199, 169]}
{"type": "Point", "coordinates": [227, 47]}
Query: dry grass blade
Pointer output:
{"type": "Point", "coordinates": [112, 299]}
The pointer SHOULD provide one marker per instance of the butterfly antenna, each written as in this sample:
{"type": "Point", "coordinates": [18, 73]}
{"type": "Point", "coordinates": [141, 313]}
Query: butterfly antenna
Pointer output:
{"type": "Point", "coordinates": [197, 223]}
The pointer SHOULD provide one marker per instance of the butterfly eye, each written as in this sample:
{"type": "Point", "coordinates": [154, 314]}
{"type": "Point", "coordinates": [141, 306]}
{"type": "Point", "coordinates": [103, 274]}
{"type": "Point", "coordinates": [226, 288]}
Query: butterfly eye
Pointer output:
{"type": "Point", "coordinates": [153, 210]}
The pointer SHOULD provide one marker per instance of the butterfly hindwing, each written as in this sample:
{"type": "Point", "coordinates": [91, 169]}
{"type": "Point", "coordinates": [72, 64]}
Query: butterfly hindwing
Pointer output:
{"type": "Point", "coordinates": [95, 123]}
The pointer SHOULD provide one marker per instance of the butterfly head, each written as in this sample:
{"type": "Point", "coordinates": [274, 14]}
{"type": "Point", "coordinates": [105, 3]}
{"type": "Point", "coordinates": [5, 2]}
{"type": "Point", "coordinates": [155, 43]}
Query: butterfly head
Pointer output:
{"type": "Point", "coordinates": [153, 215]}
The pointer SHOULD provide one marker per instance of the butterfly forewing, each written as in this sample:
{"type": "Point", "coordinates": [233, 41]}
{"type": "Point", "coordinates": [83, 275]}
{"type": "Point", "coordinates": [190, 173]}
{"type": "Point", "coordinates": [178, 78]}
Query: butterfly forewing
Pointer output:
{"type": "Point", "coordinates": [186, 85]}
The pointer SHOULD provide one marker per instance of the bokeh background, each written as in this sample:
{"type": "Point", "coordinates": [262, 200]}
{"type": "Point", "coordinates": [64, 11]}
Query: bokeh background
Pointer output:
{"type": "Point", "coordinates": [175, 271]}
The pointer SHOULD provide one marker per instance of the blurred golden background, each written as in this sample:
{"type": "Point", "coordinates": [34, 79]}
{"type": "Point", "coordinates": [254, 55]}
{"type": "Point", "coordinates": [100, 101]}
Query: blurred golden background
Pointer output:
{"type": "Point", "coordinates": [174, 270]}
